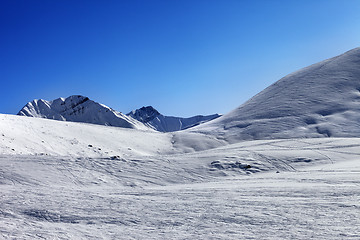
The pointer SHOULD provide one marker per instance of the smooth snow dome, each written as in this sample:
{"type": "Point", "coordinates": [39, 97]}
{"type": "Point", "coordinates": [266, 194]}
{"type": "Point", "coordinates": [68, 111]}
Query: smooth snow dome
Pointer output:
{"type": "Point", "coordinates": [152, 118]}
{"type": "Point", "coordinates": [79, 109]}
{"type": "Point", "coordinates": [322, 100]}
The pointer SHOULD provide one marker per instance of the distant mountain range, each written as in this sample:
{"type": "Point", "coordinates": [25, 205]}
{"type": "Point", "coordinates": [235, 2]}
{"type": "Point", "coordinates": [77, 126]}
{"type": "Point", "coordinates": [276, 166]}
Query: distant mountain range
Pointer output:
{"type": "Point", "coordinates": [152, 118]}
{"type": "Point", "coordinates": [322, 100]}
{"type": "Point", "coordinates": [78, 108]}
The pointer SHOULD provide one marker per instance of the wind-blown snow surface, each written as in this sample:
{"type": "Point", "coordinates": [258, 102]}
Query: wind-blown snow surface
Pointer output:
{"type": "Point", "coordinates": [152, 118]}
{"type": "Point", "coordinates": [64, 180]}
{"type": "Point", "coordinates": [203, 195]}
{"type": "Point", "coordinates": [78, 108]}
{"type": "Point", "coordinates": [322, 100]}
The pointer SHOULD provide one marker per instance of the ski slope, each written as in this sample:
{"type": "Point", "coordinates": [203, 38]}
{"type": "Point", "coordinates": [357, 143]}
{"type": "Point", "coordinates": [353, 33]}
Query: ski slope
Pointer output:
{"type": "Point", "coordinates": [63, 180]}
{"type": "Point", "coordinates": [302, 189]}
{"type": "Point", "coordinates": [284, 165]}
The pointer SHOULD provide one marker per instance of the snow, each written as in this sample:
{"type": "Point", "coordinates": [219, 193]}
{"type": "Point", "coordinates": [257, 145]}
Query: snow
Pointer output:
{"type": "Point", "coordinates": [182, 196]}
{"type": "Point", "coordinates": [267, 170]}
{"type": "Point", "coordinates": [321, 100]}
{"type": "Point", "coordinates": [36, 136]}
{"type": "Point", "coordinates": [133, 184]}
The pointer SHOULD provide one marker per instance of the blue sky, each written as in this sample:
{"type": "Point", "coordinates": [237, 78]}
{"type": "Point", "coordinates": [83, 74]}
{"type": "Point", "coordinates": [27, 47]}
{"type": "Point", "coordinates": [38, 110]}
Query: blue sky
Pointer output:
{"type": "Point", "coordinates": [182, 57]}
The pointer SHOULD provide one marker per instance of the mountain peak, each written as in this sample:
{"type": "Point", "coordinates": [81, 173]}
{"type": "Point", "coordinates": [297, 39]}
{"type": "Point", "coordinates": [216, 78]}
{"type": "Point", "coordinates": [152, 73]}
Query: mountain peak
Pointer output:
{"type": "Point", "coordinates": [73, 100]}
{"type": "Point", "coordinates": [152, 118]}
{"type": "Point", "coordinates": [149, 109]}
{"type": "Point", "coordinates": [78, 108]}
{"type": "Point", "coordinates": [144, 114]}
{"type": "Point", "coordinates": [76, 98]}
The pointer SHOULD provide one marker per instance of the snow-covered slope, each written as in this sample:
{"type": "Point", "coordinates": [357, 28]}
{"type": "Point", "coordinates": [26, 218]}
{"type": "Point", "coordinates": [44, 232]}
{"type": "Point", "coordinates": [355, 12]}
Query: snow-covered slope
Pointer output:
{"type": "Point", "coordinates": [152, 118]}
{"type": "Point", "coordinates": [205, 195]}
{"type": "Point", "coordinates": [38, 136]}
{"type": "Point", "coordinates": [78, 108]}
{"type": "Point", "coordinates": [322, 100]}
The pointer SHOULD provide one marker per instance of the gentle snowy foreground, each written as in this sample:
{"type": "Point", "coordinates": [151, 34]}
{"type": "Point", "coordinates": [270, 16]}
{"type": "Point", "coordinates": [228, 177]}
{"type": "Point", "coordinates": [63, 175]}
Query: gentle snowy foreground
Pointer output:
{"type": "Point", "coordinates": [202, 195]}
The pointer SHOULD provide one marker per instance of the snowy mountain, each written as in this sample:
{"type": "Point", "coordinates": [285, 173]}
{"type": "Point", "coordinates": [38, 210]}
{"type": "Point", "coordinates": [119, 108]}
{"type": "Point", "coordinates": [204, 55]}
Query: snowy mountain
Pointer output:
{"type": "Point", "coordinates": [322, 100]}
{"type": "Point", "coordinates": [78, 108]}
{"type": "Point", "coordinates": [152, 118]}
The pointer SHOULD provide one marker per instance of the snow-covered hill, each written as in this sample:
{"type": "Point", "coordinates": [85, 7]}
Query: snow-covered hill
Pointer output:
{"type": "Point", "coordinates": [38, 136]}
{"type": "Point", "coordinates": [78, 108]}
{"type": "Point", "coordinates": [152, 118]}
{"type": "Point", "coordinates": [322, 100]}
